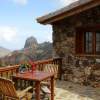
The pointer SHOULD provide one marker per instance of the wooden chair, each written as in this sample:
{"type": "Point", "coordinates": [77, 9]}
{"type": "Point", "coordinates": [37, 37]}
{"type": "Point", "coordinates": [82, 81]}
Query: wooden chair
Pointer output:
{"type": "Point", "coordinates": [45, 85]}
{"type": "Point", "coordinates": [52, 68]}
{"type": "Point", "coordinates": [9, 92]}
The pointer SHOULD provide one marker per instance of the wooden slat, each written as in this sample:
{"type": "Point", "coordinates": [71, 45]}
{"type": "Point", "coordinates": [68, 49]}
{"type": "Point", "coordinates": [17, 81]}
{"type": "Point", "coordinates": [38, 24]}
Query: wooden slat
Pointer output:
{"type": "Point", "coordinates": [56, 61]}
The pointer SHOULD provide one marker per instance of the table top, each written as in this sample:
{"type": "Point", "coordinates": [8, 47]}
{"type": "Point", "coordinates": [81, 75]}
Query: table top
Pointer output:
{"type": "Point", "coordinates": [36, 75]}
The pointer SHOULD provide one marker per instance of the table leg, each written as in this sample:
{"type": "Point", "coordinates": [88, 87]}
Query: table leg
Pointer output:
{"type": "Point", "coordinates": [37, 92]}
{"type": "Point", "coordinates": [52, 88]}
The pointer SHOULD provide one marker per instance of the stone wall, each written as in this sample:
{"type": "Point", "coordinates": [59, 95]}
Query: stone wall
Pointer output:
{"type": "Point", "coordinates": [82, 70]}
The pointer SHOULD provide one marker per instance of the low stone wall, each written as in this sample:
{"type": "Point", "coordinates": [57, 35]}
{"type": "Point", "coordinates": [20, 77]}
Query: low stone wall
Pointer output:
{"type": "Point", "coordinates": [82, 70]}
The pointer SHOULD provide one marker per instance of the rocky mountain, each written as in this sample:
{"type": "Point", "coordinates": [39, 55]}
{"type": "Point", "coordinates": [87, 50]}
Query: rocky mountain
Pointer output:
{"type": "Point", "coordinates": [31, 42]}
{"type": "Point", "coordinates": [4, 52]}
{"type": "Point", "coordinates": [32, 51]}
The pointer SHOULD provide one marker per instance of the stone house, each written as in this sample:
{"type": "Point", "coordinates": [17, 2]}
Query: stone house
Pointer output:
{"type": "Point", "coordinates": [76, 38]}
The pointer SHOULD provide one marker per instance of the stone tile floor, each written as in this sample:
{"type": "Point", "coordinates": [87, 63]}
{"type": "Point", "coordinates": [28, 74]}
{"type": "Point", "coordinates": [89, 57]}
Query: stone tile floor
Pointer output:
{"type": "Point", "coordinates": [69, 91]}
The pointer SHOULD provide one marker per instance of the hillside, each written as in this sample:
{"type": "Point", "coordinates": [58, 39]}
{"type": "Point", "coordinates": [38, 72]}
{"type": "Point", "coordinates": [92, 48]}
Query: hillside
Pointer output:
{"type": "Point", "coordinates": [4, 52]}
{"type": "Point", "coordinates": [44, 51]}
{"type": "Point", "coordinates": [32, 51]}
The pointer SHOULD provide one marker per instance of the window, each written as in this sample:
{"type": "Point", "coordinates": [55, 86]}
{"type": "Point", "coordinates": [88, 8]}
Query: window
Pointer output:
{"type": "Point", "coordinates": [98, 42]}
{"type": "Point", "coordinates": [88, 41]}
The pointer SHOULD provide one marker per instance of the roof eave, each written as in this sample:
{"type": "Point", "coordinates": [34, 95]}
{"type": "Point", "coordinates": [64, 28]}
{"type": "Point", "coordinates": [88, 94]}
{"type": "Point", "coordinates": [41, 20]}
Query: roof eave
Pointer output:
{"type": "Point", "coordinates": [73, 11]}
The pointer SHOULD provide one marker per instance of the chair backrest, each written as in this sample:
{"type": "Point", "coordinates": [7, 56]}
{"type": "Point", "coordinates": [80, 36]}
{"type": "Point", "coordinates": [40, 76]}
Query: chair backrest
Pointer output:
{"type": "Point", "coordinates": [53, 68]}
{"type": "Point", "coordinates": [7, 88]}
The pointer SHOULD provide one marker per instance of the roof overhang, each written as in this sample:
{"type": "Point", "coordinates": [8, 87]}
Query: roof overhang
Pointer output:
{"type": "Point", "coordinates": [73, 9]}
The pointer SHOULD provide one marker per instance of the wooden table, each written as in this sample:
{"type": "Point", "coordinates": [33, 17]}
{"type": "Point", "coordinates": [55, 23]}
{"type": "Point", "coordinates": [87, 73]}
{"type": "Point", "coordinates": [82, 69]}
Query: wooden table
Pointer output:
{"type": "Point", "coordinates": [37, 77]}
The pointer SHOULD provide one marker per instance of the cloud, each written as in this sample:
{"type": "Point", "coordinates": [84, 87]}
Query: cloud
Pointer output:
{"type": "Point", "coordinates": [20, 2]}
{"type": "Point", "coordinates": [48, 37]}
{"type": "Point", "coordinates": [8, 34]}
{"type": "Point", "coordinates": [66, 2]}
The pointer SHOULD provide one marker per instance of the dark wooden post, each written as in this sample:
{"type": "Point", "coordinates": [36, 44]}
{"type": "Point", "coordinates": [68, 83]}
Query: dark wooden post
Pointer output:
{"type": "Point", "coordinates": [59, 63]}
{"type": "Point", "coordinates": [37, 85]}
{"type": "Point", "coordinates": [60, 68]}
{"type": "Point", "coordinates": [52, 88]}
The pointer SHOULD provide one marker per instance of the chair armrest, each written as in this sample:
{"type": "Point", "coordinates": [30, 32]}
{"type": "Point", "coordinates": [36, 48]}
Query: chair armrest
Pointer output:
{"type": "Point", "coordinates": [27, 89]}
{"type": "Point", "coordinates": [45, 83]}
{"type": "Point", "coordinates": [22, 93]}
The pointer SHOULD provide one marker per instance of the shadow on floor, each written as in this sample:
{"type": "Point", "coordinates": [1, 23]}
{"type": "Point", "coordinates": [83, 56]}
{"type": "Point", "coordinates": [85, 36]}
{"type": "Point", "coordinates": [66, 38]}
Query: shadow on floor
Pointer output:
{"type": "Point", "coordinates": [82, 92]}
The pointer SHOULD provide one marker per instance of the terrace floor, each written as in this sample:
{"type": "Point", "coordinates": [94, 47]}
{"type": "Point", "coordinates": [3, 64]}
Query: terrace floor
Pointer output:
{"type": "Point", "coordinates": [69, 91]}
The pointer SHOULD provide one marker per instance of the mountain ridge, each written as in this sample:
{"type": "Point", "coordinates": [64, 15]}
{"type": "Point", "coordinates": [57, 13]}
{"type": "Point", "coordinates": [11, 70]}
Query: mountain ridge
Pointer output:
{"type": "Point", "coordinates": [32, 50]}
{"type": "Point", "coordinates": [4, 51]}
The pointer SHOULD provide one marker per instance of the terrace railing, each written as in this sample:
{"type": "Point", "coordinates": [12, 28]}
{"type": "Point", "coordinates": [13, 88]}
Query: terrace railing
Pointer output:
{"type": "Point", "coordinates": [8, 71]}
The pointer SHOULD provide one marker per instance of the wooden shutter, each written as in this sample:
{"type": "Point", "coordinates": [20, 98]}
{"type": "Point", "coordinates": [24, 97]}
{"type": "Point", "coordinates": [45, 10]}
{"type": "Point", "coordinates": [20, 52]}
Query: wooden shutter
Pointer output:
{"type": "Point", "coordinates": [79, 42]}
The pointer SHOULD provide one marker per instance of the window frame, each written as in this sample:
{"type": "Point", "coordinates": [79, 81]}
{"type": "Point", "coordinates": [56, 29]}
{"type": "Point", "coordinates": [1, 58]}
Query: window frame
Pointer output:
{"type": "Point", "coordinates": [82, 32]}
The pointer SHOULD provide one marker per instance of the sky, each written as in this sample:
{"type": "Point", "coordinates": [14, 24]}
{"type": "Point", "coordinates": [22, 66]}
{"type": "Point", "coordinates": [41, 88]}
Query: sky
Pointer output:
{"type": "Point", "coordinates": [18, 21]}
